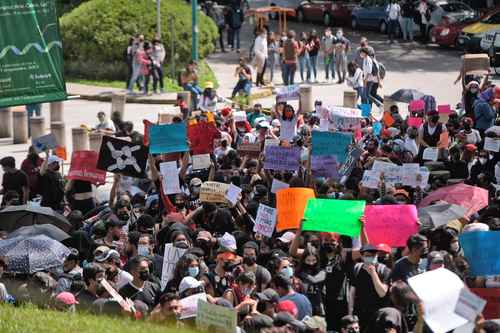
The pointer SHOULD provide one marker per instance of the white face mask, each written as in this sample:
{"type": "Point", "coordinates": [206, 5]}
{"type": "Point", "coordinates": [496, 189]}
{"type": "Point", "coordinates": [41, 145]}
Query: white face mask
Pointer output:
{"type": "Point", "coordinates": [483, 160]}
{"type": "Point", "coordinates": [339, 34]}
{"type": "Point", "coordinates": [474, 90]}
{"type": "Point", "coordinates": [143, 250]}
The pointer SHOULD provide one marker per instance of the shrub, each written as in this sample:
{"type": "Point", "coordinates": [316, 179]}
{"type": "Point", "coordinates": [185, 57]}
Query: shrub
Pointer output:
{"type": "Point", "coordinates": [97, 32]}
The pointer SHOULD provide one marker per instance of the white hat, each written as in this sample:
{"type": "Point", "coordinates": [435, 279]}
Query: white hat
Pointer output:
{"type": "Point", "coordinates": [228, 241]}
{"type": "Point", "coordinates": [53, 159]}
{"type": "Point", "coordinates": [189, 282]}
{"type": "Point", "coordinates": [276, 123]}
{"type": "Point", "coordinates": [263, 124]}
{"type": "Point", "coordinates": [477, 226]}
{"type": "Point", "coordinates": [287, 237]}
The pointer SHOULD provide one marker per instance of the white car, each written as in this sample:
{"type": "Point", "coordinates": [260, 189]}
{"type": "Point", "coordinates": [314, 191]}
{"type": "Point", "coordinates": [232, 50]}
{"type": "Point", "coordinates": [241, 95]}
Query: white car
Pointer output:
{"type": "Point", "coordinates": [487, 39]}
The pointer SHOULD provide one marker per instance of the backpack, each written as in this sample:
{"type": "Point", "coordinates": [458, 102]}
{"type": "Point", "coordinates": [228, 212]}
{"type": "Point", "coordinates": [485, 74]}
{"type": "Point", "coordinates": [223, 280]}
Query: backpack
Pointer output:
{"type": "Point", "coordinates": [378, 69]}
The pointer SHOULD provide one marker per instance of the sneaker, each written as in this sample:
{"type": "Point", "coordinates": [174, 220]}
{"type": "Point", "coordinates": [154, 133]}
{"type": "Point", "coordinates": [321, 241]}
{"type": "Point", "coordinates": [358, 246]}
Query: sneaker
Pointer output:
{"type": "Point", "coordinates": [162, 91]}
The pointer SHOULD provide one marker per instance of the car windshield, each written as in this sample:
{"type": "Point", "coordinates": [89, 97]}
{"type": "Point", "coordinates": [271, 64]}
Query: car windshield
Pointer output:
{"type": "Point", "coordinates": [493, 19]}
{"type": "Point", "coordinates": [453, 7]}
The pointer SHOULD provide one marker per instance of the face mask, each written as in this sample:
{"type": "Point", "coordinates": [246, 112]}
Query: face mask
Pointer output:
{"type": "Point", "coordinates": [181, 244]}
{"type": "Point", "coordinates": [383, 259]}
{"type": "Point", "coordinates": [467, 127]}
{"type": "Point", "coordinates": [247, 291]}
{"type": "Point", "coordinates": [249, 260]}
{"type": "Point", "coordinates": [144, 275]}
{"type": "Point", "coordinates": [287, 272]}
{"type": "Point", "coordinates": [57, 167]}
{"type": "Point", "coordinates": [474, 90]}
{"type": "Point", "coordinates": [370, 260]}
{"type": "Point", "coordinates": [116, 238]}
{"type": "Point", "coordinates": [123, 216]}
{"type": "Point", "coordinates": [339, 34]}
{"type": "Point", "coordinates": [180, 205]}
{"type": "Point", "coordinates": [143, 250]}
{"type": "Point", "coordinates": [424, 252]}
{"type": "Point", "coordinates": [310, 268]}
{"type": "Point", "coordinates": [434, 119]}
{"type": "Point", "coordinates": [228, 267]}
{"type": "Point", "coordinates": [193, 271]}
{"type": "Point", "coordinates": [454, 247]}
{"type": "Point", "coordinates": [352, 330]}
{"type": "Point", "coordinates": [329, 247]}
{"type": "Point", "coordinates": [483, 160]}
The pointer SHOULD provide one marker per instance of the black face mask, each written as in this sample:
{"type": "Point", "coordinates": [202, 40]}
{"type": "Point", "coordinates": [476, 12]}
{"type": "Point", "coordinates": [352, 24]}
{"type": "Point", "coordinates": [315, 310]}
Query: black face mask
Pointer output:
{"type": "Point", "coordinates": [228, 266]}
{"type": "Point", "coordinates": [434, 119]}
{"type": "Point", "coordinates": [144, 275]}
{"type": "Point", "coordinates": [180, 205]}
{"type": "Point", "coordinates": [99, 290]}
{"type": "Point", "coordinates": [123, 216]}
{"type": "Point", "coordinates": [116, 238]}
{"type": "Point", "coordinates": [467, 127]}
{"type": "Point", "coordinates": [249, 260]}
{"type": "Point", "coordinates": [329, 247]}
{"type": "Point", "coordinates": [56, 168]}
{"type": "Point", "coordinates": [310, 268]}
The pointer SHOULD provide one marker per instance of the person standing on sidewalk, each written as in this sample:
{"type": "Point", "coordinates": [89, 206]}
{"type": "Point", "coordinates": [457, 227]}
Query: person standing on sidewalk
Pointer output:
{"type": "Point", "coordinates": [394, 12]}
{"type": "Point", "coordinates": [137, 55]}
{"type": "Point", "coordinates": [425, 16]}
{"type": "Point", "coordinates": [260, 59]}
{"type": "Point", "coordinates": [327, 47]}
{"type": "Point", "coordinates": [158, 56]}
{"type": "Point", "coordinates": [355, 79]}
{"type": "Point", "coordinates": [363, 44]}
{"type": "Point", "coordinates": [272, 54]}
{"type": "Point", "coordinates": [371, 78]}
{"type": "Point", "coordinates": [290, 57]}
{"type": "Point", "coordinates": [342, 46]}
{"type": "Point", "coordinates": [314, 44]}
{"type": "Point", "coordinates": [304, 58]}
{"type": "Point", "coordinates": [236, 21]}
{"type": "Point", "coordinates": [244, 74]}
{"type": "Point", "coordinates": [407, 14]}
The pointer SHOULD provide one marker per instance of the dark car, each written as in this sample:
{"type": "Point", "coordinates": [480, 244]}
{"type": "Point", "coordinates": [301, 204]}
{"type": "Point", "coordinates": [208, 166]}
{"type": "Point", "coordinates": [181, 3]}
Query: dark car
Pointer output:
{"type": "Point", "coordinates": [329, 12]}
{"type": "Point", "coordinates": [447, 32]}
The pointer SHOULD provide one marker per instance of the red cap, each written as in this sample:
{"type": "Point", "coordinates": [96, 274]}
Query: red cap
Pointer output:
{"type": "Point", "coordinates": [384, 248]}
{"type": "Point", "coordinates": [225, 112]}
{"type": "Point", "coordinates": [288, 306]}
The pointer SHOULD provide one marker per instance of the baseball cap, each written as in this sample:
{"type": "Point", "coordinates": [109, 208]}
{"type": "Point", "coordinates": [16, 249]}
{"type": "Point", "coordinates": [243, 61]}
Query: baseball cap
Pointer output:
{"type": "Point", "coordinates": [189, 283]}
{"type": "Point", "coordinates": [101, 249]}
{"type": "Point", "coordinates": [195, 182]}
{"type": "Point", "coordinates": [209, 85]}
{"type": "Point", "coordinates": [53, 159]}
{"type": "Point", "coordinates": [263, 124]}
{"type": "Point", "coordinates": [284, 318]}
{"type": "Point", "coordinates": [287, 237]}
{"type": "Point", "coordinates": [204, 235]}
{"type": "Point", "coordinates": [384, 248]}
{"type": "Point", "coordinates": [368, 248]}
{"type": "Point", "coordinates": [67, 298]}
{"type": "Point", "coordinates": [435, 257]}
{"type": "Point", "coordinates": [276, 123]}
{"type": "Point", "coordinates": [288, 306]}
{"type": "Point", "coordinates": [315, 323]}
{"type": "Point", "coordinates": [110, 254]}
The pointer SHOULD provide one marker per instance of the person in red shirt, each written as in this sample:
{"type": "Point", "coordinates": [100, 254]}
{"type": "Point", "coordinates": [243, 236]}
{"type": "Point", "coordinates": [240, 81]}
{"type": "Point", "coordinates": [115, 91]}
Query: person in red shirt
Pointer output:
{"type": "Point", "coordinates": [31, 167]}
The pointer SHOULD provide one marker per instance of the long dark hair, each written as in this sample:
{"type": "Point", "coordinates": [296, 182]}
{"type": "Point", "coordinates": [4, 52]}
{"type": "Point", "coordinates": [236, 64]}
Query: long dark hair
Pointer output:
{"type": "Point", "coordinates": [351, 68]}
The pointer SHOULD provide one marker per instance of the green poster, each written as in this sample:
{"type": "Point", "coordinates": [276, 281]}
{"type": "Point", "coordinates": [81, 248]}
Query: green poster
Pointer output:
{"type": "Point", "coordinates": [327, 215]}
{"type": "Point", "coordinates": [31, 59]}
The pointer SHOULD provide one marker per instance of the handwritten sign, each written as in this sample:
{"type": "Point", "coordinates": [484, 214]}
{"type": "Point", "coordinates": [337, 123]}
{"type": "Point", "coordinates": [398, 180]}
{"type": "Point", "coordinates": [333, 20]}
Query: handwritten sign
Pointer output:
{"type": "Point", "coordinates": [233, 194]}
{"type": "Point", "coordinates": [169, 138]}
{"type": "Point", "coordinates": [349, 164]}
{"type": "Point", "coordinates": [201, 161]}
{"type": "Point", "coordinates": [417, 105]}
{"type": "Point", "coordinates": [271, 142]}
{"type": "Point", "coordinates": [170, 177]}
{"type": "Point", "coordinates": [290, 206]}
{"type": "Point", "coordinates": [282, 158]}
{"type": "Point", "coordinates": [341, 118]}
{"type": "Point", "coordinates": [492, 144]}
{"type": "Point", "coordinates": [390, 224]}
{"type": "Point", "coordinates": [431, 154]}
{"type": "Point", "coordinates": [288, 93]}
{"type": "Point", "coordinates": [265, 220]}
{"type": "Point", "coordinates": [215, 318]}
{"type": "Point", "coordinates": [44, 142]}
{"type": "Point", "coordinates": [213, 192]}
{"type": "Point", "coordinates": [324, 166]}
{"type": "Point", "coordinates": [328, 143]}
{"type": "Point", "coordinates": [482, 252]}
{"type": "Point", "coordinates": [371, 179]}
{"type": "Point", "coordinates": [249, 149]}
{"type": "Point", "coordinates": [278, 185]}
{"type": "Point", "coordinates": [170, 258]}
{"type": "Point", "coordinates": [469, 305]}
{"type": "Point", "coordinates": [84, 167]}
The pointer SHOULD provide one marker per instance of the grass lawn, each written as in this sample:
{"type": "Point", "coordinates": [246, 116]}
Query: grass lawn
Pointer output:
{"type": "Point", "coordinates": [31, 319]}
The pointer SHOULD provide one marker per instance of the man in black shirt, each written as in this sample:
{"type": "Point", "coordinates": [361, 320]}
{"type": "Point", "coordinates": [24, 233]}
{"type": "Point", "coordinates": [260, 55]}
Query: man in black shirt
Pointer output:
{"type": "Point", "coordinates": [51, 183]}
{"type": "Point", "coordinates": [141, 288]}
{"type": "Point", "coordinates": [14, 180]}
{"type": "Point", "coordinates": [409, 266]}
{"type": "Point", "coordinates": [93, 274]}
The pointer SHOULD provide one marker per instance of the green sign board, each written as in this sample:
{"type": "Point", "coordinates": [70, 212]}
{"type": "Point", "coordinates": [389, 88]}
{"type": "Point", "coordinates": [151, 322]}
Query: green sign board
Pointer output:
{"type": "Point", "coordinates": [31, 60]}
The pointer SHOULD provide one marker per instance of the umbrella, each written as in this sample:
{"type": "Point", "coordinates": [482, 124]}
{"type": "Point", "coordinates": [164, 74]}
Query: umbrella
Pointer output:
{"type": "Point", "coordinates": [472, 198]}
{"type": "Point", "coordinates": [14, 217]}
{"type": "Point", "coordinates": [32, 254]}
{"type": "Point", "coordinates": [406, 95]}
{"type": "Point", "coordinates": [440, 214]}
{"type": "Point", "coordinates": [48, 230]}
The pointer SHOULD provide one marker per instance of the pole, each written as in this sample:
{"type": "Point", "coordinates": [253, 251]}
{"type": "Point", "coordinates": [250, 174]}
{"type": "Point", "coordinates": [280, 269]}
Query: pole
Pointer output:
{"type": "Point", "coordinates": [172, 48]}
{"type": "Point", "coordinates": [194, 40]}
{"type": "Point", "coordinates": [158, 18]}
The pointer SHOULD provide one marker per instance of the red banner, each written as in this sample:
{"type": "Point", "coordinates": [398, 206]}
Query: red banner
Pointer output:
{"type": "Point", "coordinates": [84, 167]}
{"type": "Point", "coordinates": [492, 297]}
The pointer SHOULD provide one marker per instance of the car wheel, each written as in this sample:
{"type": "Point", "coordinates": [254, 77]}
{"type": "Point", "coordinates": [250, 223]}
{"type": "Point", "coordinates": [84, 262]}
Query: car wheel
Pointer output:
{"type": "Point", "coordinates": [354, 23]}
{"type": "Point", "coordinates": [383, 27]}
{"type": "Point", "coordinates": [327, 20]}
{"type": "Point", "coordinates": [300, 15]}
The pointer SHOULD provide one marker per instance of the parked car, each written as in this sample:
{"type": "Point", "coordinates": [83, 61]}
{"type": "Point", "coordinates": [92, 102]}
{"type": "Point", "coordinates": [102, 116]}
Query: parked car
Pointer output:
{"type": "Point", "coordinates": [471, 36]}
{"type": "Point", "coordinates": [447, 32]}
{"type": "Point", "coordinates": [329, 12]}
{"type": "Point", "coordinates": [494, 52]}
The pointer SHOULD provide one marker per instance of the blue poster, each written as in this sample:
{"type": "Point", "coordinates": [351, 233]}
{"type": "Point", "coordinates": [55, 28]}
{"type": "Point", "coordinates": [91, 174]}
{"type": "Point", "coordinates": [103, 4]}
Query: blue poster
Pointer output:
{"type": "Point", "coordinates": [167, 138]}
{"type": "Point", "coordinates": [482, 252]}
{"type": "Point", "coordinates": [331, 143]}
{"type": "Point", "coordinates": [366, 110]}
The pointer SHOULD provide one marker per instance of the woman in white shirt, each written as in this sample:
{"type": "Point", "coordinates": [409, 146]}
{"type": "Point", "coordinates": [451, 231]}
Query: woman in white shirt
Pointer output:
{"type": "Point", "coordinates": [260, 59]}
{"type": "Point", "coordinates": [355, 78]}
{"type": "Point", "coordinates": [469, 135]}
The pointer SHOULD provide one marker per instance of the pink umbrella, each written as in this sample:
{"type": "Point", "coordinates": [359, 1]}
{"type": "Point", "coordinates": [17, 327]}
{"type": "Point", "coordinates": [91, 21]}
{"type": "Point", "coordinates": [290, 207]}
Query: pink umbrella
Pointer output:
{"type": "Point", "coordinates": [472, 198]}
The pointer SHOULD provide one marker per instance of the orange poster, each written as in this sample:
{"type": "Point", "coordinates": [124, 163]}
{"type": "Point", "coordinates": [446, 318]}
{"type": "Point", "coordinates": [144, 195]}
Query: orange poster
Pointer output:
{"type": "Point", "coordinates": [290, 206]}
{"type": "Point", "coordinates": [388, 120]}
{"type": "Point", "coordinates": [443, 140]}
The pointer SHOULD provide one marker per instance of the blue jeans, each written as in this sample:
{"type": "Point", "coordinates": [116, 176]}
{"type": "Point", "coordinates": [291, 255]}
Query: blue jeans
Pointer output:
{"type": "Point", "coordinates": [195, 93]}
{"type": "Point", "coordinates": [313, 61]}
{"type": "Point", "coordinates": [407, 28]}
{"type": "Point", "coordinates": [272, 62]}
{"type": "Point", "coordinates": [304, 67]}
{"type": "Point", "coordinates": [245, 85]}
{"type": "Point", "coordinates": [361, 92]}
{"type": "Point", "coordinates": [289, 74]}
{"type": "Point", "coordinates": [330, 66]}
{"type": "Point", "coordinates": [236, 38]}
{"type": "Point", "coordinates": [393, 24]}
{"type": "Point", "coordinates": [371, 94]}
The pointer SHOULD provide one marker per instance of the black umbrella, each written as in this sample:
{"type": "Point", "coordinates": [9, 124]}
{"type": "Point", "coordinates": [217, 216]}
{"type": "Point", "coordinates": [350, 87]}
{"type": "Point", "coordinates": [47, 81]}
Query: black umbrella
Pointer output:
{"type": "Point", "coordinates": [406, 95]}
{"type": "Point", "coordinates": [48, 230]}
{"type": "Point", "coordinates": [14, 217]}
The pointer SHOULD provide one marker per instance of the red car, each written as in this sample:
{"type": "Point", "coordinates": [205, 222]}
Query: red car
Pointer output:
{"type": "Point", "coordinates": [446, 33]}
{"type": "Point", "coordinates": [329, 12]}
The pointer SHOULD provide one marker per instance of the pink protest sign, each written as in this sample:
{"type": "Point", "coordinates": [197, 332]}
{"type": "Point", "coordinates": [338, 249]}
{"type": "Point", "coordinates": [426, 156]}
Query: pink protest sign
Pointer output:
{"type": "Point", "coordinates": [390, 224]}
{"type": "Point", "coordinates": [417, 105]}
{"type": "Point", "coordinates": [444, 109]}
{"type": "Point", "coordinates": [415, 121]}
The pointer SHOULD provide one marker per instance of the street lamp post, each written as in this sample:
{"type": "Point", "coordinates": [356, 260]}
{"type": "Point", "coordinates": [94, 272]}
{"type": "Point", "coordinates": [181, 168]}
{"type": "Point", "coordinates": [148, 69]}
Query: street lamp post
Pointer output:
{"type": "Point", "coordinates": [194, 39]}
{"type": "Point", "coordinates": [158, 18]}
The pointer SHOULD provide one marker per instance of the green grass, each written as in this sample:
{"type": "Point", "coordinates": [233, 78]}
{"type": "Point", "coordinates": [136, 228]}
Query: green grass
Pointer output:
{"type": "Point", "coordinates": [31, 319]}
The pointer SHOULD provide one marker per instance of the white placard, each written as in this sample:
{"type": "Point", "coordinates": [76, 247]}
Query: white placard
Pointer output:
{"type": "Point", "coordinates": [201, 161]}
{"type": "Point", "coordinates": [492, 144]}
{"type": "Point", "coordinates": [278, 185]}
{"type": "Point", "coordinates": [170, 258]}
{"type": "Point", "coordinates": [371, 179]}
{"type": "Point", "coordinates": [170, 175]}
{"type": "Point", "coordinates": [409, 173]}
{"type": "Point", "coordinates": [439, 291]}
{"type": "Point", "coordinates": [431, 154]}
{"type": "Point", "coordinates": [469, 305]}
{"type": "Point", "coordinates": [239, 116]}
{"type": "Point", "coordinates": [233, 194]}
{"type": "Point", "coordinates": [190, 305]}
{"type": "Point", "coordinates": [265, 220]}
{"type": "Point", "coordinates": [272, 142]}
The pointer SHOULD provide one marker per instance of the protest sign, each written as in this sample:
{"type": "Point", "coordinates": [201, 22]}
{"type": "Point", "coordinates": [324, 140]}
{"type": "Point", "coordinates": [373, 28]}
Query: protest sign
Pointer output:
{"type": "Point", "coordinates": [123, 157]}
{"type": "Point", "coordinates": [189, 305]}
{"type": "Point", "coordinates": [371, 179]}
{"type": "Point", "coordinates": [213, 192]}
{"type": "Point", "coordinates": [431, 154]}
{"type": "Point", "coordinates": [170, 179]}
{"type": "Point", "coordinates": [61, 152]}
{"type": "Point", "coordinates": [469, 305]}
{"type": "Point", "coordinates": [201, 161]}
{"type": "Point", "coordinates": [215, 318]}
{"type": "Point", "coordinates": [492, 298]}
{"type": "Point", "coordinates": [390, 224]}
{"type": "Point", "coordinates": [147, 125]}
{"type": "Point", "coordinates": [290, 205]}
{"type": "Point", "coordinates": [111, 291]}
{"type": "Point", "coordinates": [44, 143]}
{"type": "Point", "coordinates": [409, 173]}
{"type": "Point", "coordinates": [331, 143]}
{"type": "Point", "coordinates": [341, 216]}
{"type": "Point", "coordinates": [84, 167]}
{"type": "Point", "coordinates": [288, 93]}
{"type": "Point", "coordinates": [377, 128]}
{"type": "Point", "coordinates": [388, 120]}
{"type": "Point", "coordinates": [341, 118]}
{"type": "Point", "coordinates": [443, 140]}
{"type": "Point", "coordinates": [417, 105]}
{"type": "Point", "coordinates": [249, 149]}
{"type": "Point", "coordinates": [482, 252]}
{"type": "Point", "coordinates": [282, 158]}
{"type": "Point", "coordinates": [352, 157]}
{"type": "Point", "coordinates": [201, 137]}
{"type": "Point", "coordinates": [170, 258]}
{"type": "Point", "coordinates": [415, 121]}
{"type": "Point", "coordinates": [446, 109]}
{"type": "Point", "coordinates": [233, 194]}
{"type": "Point", "coordinates": [439, 291]}
{"type": "Point", "coordinates": [239, 116]}
{"type": "Point", "coordinates": [278, 185]}
{"type": "Point", "coordinates": [265, 220]}
{"type": "Point", "coordinates": [324, 166]}
{"type": "Point", "coordinates": [492, 144]}
{"type": "Point", "coordinates": [272, 142]}
{"type": "Point", "coordinates": [366, 110]}
{"type": "Point", "coordinates": [168, 138]}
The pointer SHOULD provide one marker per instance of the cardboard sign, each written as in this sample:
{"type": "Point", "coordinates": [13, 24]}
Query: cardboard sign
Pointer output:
{"type": "Point", "coordinates": [415, 121]}
{"type": "Point", "coordinates": [278, 185]}
{"type": "Point", "coordinates": [324, 166]}
{"type": "Point", "coordinates": [170, 258]}
{"type": "Point", "coordinates": [371, 179]}
{"type": "Point", "coordinates": [170, 179]}
{"type": "Point", "coordinates": [288, 93]}
{"type": "Point", "coordinates": [290, 206]}
{"type": "Point", "coordinates": [476, 64]}
{"type": "Point", "coordinates": [469, 305]}
{"type": "Point", "coordinates": [233, 194]}
{"type": "Point", "coordinates": [492, 144]}
{"type": "Point", "coordinates": [443, 140]}
{"type": "Point", "coordinates": [251, 150]}
{"type": "Point", "coordinates": [213, 192]}
{"type": "Point", "coordinates": [319, 212]}
{"type": "Point", "coordinates": [482, 252]}
{"type": "Point", "coordinates": [189, 305]}
{"type": "Point", "coordinates": [444, 109]}
{"type": "Point", "coordinates": [123, 157]}
{"type": "Point", "coordinates": [201, 161]}
{"type": "Point", "coordinates": [390, 224]}
{"type": "Point", "coordinates": [265, 220]}
{"type": "Point", "coordinates": [332, 144]}
{"type": "Point", "coordinates": [431, 154]}
{"type": "Point", "coordinates": [239, 116]}
{"type": "Point", "coordinates": [282, 158]}
{"type": "Point", "coordinates": [418, 105]}
{"type": "Point", "coordinates": [168, 138]}
{"type": "Point", "coordinates": [215, 318]}
{"type": "Point", "coordinates": [492, 297]}
{"type": "Point", "coordinates": [84, 167]}
{"type": "Point", "coordinates": [44, 142]}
